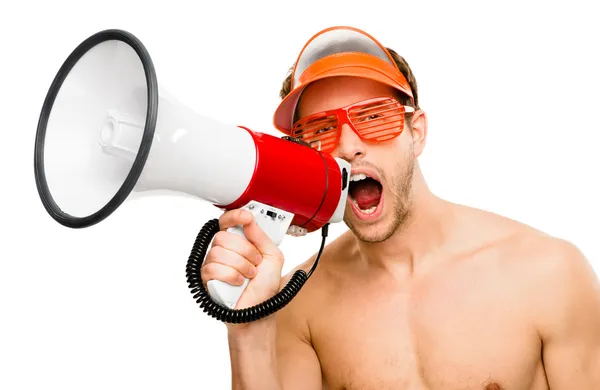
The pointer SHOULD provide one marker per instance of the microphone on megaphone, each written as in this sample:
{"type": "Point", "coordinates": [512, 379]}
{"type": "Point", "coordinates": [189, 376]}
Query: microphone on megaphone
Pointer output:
{"type": "Point", "coordinates": [108, 131]}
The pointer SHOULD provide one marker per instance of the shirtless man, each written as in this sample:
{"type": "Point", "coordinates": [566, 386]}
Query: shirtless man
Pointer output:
{"type": "Point", "coordinates": [420, 293]}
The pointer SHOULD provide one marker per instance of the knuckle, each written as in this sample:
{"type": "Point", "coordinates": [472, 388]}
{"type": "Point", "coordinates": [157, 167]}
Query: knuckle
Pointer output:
{"type": "Point", "coordinates": [236, 280]}
{"type": "Point", "coordinates": [208, 259]}
{"type": "Point", "coordinates": [219, 239]}
{"type": "Point", "coordinates": [208, 266]}
{"type": "Point", "coordinates": [210, 256]}
{"type": "Point", "coordinates": [225, 219]}
{"type": "Point", "coordinates": [207, 272]}
{"type": "Point", "coordinates": [230, 275]}
{"type": "Point", "coordinates": [215, 255]}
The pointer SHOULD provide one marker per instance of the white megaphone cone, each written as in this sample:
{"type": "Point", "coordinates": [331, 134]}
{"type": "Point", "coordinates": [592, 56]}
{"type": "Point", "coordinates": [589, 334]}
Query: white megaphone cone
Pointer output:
{"type": "Point", "coordinates": [107, 131]}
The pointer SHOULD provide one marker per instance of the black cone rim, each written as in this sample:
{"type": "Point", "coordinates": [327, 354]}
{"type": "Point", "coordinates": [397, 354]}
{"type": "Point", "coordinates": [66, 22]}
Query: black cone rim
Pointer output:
{"type": "Point", "coordinates": [145, 145]}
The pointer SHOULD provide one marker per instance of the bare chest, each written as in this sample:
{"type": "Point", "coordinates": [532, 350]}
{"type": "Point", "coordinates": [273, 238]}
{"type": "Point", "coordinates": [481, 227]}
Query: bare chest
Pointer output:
{"type": "Point", "coordinates": [463, 333]}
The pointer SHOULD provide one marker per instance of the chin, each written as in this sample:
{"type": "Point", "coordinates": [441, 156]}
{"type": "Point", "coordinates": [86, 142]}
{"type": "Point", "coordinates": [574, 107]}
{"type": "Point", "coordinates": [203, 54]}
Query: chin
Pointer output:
{"type": "Point", "coordinates": [377, 226]}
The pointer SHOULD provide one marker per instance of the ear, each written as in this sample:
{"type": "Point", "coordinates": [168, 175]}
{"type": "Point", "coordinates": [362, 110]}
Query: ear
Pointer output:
{"type": "Point", "coordinates": [419, 131]}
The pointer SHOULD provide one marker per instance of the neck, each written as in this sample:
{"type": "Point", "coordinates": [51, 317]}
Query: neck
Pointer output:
{"type": "Point", "coordinates": [424, 231]}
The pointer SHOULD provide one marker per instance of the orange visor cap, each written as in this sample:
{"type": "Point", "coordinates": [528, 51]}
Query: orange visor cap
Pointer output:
{"type": "Point", "coordinates": [338, 51]}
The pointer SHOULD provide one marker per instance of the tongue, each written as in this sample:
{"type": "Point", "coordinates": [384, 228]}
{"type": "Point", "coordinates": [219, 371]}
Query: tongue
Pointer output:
{"type": "Point", "coordinates": [367, 194]}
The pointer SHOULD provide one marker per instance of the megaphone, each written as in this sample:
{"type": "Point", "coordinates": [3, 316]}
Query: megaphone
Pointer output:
{"type": "Point", "coordinates": [108, 132]}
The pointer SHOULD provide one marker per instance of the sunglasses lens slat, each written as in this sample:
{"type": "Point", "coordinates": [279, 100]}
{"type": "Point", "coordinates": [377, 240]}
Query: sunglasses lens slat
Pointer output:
{"type": "Point", "coordinates": [330, 137]}
{"type": "Point", "coordinates": [379, 109]}
{"type": "Point", "coordinates": [379, 133]}
{"type": "Point", "coordinates": [311, 126]}
{"type": "Point", "coordinates": [367, 124]}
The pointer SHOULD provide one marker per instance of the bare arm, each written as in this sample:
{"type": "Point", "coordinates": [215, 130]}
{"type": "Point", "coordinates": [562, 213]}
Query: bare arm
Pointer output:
{"type": "Point", "coordinates": [570, 321]}
{"type": "Point", "coordinates": [253, 358]}
{"type": "Point", "coordinates": [274, 353]}
{"type": "Point", "coordinates": [271, 353]}
{"type": "Point", "coordinates": [298, 364]}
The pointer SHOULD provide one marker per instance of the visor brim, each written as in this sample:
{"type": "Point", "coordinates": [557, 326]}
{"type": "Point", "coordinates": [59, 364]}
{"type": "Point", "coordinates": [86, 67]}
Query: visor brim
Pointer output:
{"type": "Point", "coordinates": [284, 114]}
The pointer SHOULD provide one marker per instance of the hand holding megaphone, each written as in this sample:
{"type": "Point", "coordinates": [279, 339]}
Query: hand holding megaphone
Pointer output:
{"type": "Point", "coordinates": [250, 264]}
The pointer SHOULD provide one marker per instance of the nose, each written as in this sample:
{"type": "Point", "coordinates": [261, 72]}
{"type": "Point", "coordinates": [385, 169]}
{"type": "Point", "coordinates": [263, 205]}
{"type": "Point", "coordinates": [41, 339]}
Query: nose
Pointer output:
{"type": "Point", "coordinates": [350, 146]}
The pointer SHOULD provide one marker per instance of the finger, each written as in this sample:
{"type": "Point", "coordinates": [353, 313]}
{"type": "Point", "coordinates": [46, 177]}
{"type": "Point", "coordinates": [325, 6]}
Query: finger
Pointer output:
{"type": "Point", "coordinates": [227, 257]}
{"type": "Point", "coordinates": [237, 244]}
{"type": "Point", "coordinates": [257, 236]}
{"type": "Point", "coordinates": [222, 272]}
{"type": "Point", "coordinates": [235, 217]}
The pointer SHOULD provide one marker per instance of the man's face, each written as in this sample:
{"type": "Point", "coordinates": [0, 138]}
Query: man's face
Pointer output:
{"type": "Point", "coordinates": [375, 208]}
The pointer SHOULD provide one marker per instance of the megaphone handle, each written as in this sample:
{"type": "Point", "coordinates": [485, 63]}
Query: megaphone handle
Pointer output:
{"type": "Point", "coordinates": [275, 223]}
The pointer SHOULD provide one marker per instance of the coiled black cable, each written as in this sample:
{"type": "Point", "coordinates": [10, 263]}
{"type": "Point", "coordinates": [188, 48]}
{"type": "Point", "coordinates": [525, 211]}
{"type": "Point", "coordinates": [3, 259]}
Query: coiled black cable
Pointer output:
{"type": "Point", "coordinates": [256, 312]}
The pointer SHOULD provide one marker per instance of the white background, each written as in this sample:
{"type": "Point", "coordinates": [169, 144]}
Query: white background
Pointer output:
{"type": "Point", "coordinates": [511, 94]}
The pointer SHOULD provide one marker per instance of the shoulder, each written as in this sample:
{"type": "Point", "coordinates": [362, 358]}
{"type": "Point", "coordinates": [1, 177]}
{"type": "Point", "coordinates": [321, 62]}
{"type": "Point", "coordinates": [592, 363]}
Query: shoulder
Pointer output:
{"type": "Point", "coordinates": [553, 276]}
{"type": "Point", "coordinates": [542, 263]}
{"type": "Point", "coordinates": [516, 241]}
{"type": "Point", "coordinates": [562, 283]}
{"type": "Point", "coordinates": [543, 257]}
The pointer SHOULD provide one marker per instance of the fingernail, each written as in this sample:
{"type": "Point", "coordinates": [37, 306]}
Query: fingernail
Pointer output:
{"type": "Point", "coordinates": [241, 279]}
{"type": "Point", "coordinates": [258, 259]}
{"type": "Point", "coordinates": [252, 272]}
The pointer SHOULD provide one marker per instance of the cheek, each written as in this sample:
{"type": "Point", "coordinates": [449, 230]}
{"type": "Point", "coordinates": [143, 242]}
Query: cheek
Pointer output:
{"type": "Point", "coordinates": [406, 147]}
{"type": "Point", "coordinates": [388, 159]}
{"type": "Point", "coordinates": [405, 140]}
{"type": "Point", "coordinates": [396, 150]}
{"type": "Point", "coordinates": [393, 158]}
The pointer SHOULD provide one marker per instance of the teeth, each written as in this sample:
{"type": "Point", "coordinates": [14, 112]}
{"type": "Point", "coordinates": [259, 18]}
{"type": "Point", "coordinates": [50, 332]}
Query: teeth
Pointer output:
{"type": "Point", "coordinates": [368, 211]}
{"type": "Point", "coordinates": [358, 176]}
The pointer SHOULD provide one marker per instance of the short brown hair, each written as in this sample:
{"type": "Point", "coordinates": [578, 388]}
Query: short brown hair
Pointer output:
{"type": "Point", "coordinates": [400, 62]}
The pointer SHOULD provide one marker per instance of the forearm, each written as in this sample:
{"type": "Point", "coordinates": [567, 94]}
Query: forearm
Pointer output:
{"type": "Point", "coordinates": [253, 355]}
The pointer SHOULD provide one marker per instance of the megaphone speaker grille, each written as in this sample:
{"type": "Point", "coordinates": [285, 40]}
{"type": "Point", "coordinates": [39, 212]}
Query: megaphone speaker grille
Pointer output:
{"type": "Point", "coordinates": [78, 184]}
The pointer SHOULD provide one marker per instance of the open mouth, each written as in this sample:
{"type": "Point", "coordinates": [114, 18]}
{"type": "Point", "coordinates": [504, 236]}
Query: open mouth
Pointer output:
{"type": "Point", "coordinates": [365, 193]}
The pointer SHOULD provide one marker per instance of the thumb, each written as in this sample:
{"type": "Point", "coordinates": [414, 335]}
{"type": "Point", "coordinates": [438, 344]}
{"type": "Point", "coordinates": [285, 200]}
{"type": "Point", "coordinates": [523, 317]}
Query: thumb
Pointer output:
{"type": "Point", "coordinates": [261, 240]}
